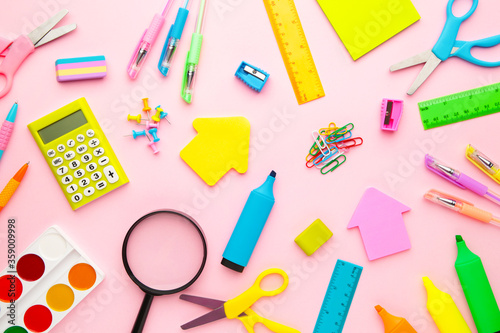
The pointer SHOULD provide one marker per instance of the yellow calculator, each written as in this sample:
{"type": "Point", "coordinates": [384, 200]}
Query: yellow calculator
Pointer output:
{"type": "Point", "coordinates": [78, 153]}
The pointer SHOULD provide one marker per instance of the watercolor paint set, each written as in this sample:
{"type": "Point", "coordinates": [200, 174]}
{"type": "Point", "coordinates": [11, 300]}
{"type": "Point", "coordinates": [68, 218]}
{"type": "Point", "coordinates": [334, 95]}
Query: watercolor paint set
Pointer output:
{"type": "Point", "coordinates": [49, 279]}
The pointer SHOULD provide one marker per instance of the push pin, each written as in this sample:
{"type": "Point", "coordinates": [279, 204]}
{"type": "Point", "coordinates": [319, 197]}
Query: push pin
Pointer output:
{"type": "Point", "coordinates": [156, 117]}
{"type": "Point", "coordinates": [150, 125]}
{"type": "Point", "coordinates": [135, 134]}
{"type": "Point", "coordinates": [137, 118]}
{"type": "Point", "coordinates": [154, 133]}
{"type": "Point", "coordinates": [152, 145]}
{"type": "Point", "coordinates": [146, 107]}
{"type": "Point", "coordinates": [163, 115]}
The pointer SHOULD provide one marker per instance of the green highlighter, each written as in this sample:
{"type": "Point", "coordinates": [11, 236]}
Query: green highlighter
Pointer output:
{"type": "Point", "coordinates": [477, 289]}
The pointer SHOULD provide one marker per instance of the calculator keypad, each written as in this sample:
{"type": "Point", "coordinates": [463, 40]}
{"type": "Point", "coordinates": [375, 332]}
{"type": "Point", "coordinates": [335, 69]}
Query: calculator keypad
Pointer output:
{"type": "Point", "coordinates": [88, 176]}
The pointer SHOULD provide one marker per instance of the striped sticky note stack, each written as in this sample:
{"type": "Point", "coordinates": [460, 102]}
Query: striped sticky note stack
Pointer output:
{"type": "Point", "coordinates": [83, 68]}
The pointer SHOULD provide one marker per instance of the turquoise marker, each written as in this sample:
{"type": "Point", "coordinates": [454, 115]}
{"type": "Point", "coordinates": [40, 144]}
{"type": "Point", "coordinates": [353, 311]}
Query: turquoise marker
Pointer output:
{"type": "Point", "coordinates": [477, 289]}
{"type": "Point", "coordinates": [249, 227]}
{"type": "Point", "coordinates": [7, 127]}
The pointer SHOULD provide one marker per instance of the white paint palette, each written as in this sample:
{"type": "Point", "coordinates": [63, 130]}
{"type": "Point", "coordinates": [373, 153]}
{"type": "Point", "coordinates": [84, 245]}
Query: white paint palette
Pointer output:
{"type": "Point", "coordinates": [52, 276]}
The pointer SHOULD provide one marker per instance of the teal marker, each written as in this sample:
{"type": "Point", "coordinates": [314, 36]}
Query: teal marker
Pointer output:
{"type": "Point", "coordinates": [7, 127]}
{"type": "Point", "coordinates": [477, 289]}
{"type": "Point", "coordinates": [249, 227]}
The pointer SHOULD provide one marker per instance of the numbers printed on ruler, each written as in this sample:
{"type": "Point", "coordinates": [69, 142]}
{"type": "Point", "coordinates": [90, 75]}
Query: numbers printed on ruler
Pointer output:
{"type": "Point", "coordinates": [294, 50]}
{"type": "Point", "coordinates": [461, 106]}
{"type": "Point", "coordinates": [338, 297]}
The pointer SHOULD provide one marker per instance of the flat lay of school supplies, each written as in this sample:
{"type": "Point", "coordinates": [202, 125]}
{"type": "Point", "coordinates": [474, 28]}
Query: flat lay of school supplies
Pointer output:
{"type": "Point", "coordinates": [363, 25]}
{"type": "Point", "coordinates": [52, 276]}
{"type": "Point", "coordinates": [448, 46]}
{"type": "Point", "coordinates": [15, 52]}
{"type": "Point", "coordinates": [224, 227]}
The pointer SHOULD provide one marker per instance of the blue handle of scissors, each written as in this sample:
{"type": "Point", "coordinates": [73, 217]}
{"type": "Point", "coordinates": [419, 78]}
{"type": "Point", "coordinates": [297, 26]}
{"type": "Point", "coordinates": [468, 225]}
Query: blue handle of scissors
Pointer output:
{"type": "Point", "coordinates": [464, 49]}
{"type": "Point", "coordinates": [448, 37]}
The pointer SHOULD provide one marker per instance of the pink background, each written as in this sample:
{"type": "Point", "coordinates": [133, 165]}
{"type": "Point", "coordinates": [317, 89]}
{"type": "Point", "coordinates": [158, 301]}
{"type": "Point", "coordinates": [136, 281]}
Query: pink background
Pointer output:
{"type": "Point", "coordinates": [239, 30]}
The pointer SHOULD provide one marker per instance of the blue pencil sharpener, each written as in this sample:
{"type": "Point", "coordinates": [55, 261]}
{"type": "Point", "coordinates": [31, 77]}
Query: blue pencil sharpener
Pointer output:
{"type": "Point", "coordinates": [253, 77]}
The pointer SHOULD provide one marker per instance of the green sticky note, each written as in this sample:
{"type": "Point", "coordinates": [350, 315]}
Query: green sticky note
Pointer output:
{"type": "Point", "coordinates": [362, 25]}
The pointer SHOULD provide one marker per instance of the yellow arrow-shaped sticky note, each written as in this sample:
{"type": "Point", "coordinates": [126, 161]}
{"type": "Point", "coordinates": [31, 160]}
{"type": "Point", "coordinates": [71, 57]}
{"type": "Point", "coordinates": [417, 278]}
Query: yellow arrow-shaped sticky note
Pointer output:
{"type": "Point", "coordinates": [222, 144]}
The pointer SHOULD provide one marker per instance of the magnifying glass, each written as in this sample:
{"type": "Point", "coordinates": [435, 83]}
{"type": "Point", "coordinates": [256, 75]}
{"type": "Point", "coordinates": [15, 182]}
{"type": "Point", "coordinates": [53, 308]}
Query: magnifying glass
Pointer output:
{"type": "Point", "coordinates": [164, 253]}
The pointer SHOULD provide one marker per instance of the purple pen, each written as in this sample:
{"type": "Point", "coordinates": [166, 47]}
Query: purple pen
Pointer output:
{"type": "Point", "coordinates": [147, 40]}
{"type": "Point", "coordinates": [460, 179]}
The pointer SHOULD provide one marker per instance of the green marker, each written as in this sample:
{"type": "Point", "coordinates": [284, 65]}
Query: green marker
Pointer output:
{"type": "Point", "coordinates": [477, 289]}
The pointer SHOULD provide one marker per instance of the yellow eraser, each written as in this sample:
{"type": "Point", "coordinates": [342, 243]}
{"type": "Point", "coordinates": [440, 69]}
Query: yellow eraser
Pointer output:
{"type": "Point", "coordinates": [313, 237]}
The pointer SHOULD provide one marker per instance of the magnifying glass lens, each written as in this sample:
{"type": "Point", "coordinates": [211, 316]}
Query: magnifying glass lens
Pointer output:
{"type": "Point", "coordinates": [164, 252]}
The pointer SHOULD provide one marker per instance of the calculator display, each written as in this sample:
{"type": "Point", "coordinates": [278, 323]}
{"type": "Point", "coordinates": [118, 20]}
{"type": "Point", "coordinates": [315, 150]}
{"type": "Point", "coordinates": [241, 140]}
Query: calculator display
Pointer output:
{"type": "Point", "coordinates": [62, 126]}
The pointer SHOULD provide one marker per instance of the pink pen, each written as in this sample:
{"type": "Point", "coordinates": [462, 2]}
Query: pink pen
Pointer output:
{"type": "Point", "coordinates": [460, 179]}
{"type": "Point", "coordinates": [6, 129]}
{"type": "Point", "coordinates": [147, 40]}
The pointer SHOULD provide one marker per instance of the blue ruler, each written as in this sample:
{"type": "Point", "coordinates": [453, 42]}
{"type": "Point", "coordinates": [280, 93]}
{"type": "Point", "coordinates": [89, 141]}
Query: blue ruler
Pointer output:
{"type": "Point", "coordinates": [338, 297]}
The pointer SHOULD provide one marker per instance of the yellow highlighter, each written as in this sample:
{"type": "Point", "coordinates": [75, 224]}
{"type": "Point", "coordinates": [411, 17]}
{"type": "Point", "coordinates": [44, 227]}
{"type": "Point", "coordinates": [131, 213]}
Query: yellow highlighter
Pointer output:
{"type": "Point", "coordinates": [484, 163]}
{"type": "Point", "coordinates": [443, 310]}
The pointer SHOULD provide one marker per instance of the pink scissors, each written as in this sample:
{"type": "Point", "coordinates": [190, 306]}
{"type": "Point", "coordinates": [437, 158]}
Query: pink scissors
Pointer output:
{"type": "Point", "coordinates": [14, 52]}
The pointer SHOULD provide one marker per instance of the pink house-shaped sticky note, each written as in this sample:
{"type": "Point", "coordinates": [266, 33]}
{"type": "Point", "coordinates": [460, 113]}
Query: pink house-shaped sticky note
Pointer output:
{"type": "Point", "coordinates": [380, 221]}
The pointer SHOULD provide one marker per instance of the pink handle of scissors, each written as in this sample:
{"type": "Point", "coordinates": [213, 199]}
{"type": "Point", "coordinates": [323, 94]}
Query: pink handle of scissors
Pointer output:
{"type": "Point", "coordinates": [20, 49]}
{"type": "Point", "coordinates": [4, 44]}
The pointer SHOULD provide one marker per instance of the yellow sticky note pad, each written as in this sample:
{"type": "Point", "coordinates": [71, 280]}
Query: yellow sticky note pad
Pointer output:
{"type": "Point", "coordinates": [313, 237]}
{"type": "Point", "coordinates": [222, 144]}
{"type": "Point", "coordinates": [362, 25]}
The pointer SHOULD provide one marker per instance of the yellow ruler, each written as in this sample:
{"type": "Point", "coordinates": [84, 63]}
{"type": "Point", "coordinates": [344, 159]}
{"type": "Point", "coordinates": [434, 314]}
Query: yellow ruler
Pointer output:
{"type": "Point", "coordinates": [294, 49]}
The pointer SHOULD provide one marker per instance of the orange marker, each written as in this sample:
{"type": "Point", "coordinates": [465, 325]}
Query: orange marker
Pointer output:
{"type": "Point", "coordinates": [11, 186]}
{"type": "Point", "coordinates": [394, 324]}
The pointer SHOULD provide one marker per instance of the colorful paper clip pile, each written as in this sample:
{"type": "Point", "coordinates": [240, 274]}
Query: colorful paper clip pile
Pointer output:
{"type": "Point", "coordinates": [330, 145]}
{"type": "Point", "coordinates": [152, 124]}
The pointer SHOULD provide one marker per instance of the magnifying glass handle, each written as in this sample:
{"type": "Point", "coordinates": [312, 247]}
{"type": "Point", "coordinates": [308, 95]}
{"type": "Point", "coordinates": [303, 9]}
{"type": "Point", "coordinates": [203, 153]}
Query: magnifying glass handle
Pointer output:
{"type": "Point", "coordinates": [143, 314]}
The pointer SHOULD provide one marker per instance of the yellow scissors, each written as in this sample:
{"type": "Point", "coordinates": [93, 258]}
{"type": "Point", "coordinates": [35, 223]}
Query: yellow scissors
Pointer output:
{"type": "Point", "coordinates": [239, 307]}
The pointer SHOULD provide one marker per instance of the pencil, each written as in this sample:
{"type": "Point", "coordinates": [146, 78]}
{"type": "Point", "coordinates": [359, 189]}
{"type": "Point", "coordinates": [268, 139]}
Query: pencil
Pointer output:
{"type": "Point", "coordinates": [11, 186]}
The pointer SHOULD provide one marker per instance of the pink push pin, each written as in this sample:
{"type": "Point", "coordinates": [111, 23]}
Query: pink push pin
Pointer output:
{"type": "Point", "coordinates": [152, 144]}
{"type": "Point", "coordinates": [150, 125]}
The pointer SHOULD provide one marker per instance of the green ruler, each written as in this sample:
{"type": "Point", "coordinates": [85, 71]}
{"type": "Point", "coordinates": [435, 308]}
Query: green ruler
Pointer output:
{"type": "Point", "coordinates": [338, 297]}
{"type": "Point", "coordinates": [461, 106]}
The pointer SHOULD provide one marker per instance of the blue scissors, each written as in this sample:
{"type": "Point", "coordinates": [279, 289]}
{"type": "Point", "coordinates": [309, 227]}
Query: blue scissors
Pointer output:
{"type": "Point", "coordinates": [448, 46]}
